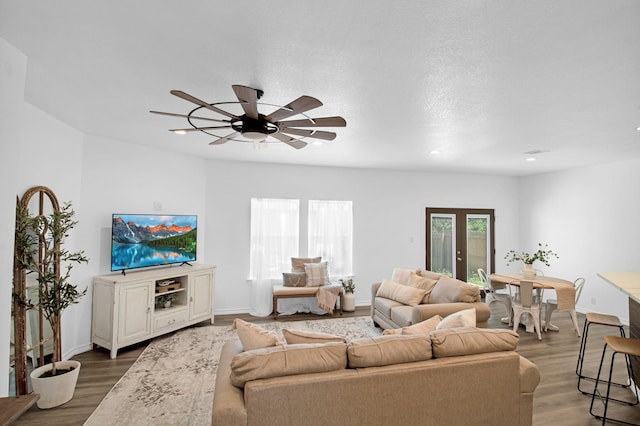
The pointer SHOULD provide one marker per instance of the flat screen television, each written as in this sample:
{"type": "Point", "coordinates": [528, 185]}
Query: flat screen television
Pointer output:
{"type": "Point", "coordinates": [143, 240]}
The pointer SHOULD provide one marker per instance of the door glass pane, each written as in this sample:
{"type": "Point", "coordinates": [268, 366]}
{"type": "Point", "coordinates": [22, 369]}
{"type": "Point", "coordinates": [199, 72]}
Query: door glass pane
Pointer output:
{"type": "Point", "coordinates": [478, 246]}
{"type": "Point", "coordinates": [443, 235]}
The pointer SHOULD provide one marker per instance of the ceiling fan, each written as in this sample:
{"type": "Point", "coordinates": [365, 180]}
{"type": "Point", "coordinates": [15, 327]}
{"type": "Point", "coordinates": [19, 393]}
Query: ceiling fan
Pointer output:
{"type": "Point", "coordinates": [252, 126]}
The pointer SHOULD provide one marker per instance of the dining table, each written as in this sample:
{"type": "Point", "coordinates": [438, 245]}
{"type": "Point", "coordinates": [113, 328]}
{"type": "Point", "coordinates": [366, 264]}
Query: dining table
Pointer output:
{"type": "Point", "coordinates": [564, 289]}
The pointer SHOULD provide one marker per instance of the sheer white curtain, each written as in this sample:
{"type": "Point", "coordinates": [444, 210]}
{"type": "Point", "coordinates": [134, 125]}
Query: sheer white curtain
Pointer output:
{"type": "Point", "coordinates": [331, 235]}
{"type": "Point", "coordinates": [274, 240]}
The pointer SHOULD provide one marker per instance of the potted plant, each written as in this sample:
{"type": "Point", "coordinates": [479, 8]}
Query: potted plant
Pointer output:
{"type": "Point", "coordinates": [543, 255]}
{"type": "Point", "coordinates": [41, 250]}
{"type": "Point", "coordinates": [349, 299]}
{"type": "Point", "coordinates": [165, 300]}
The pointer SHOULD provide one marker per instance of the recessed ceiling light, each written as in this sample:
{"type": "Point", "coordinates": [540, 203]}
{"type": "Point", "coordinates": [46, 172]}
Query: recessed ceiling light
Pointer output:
{"type": "Point", "coordinates": [434, 152]}
{"type": "Point", "coordinates": [317, 142]}
{"type": "Point", "coordinates": [180, 132]}
{"type": "Point", "coordinates": [531, 159]}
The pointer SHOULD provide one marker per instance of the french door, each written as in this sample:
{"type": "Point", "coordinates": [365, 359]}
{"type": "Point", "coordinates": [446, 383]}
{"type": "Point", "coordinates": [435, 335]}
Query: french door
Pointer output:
{"type": "Point", "coordinates": [459, 241]}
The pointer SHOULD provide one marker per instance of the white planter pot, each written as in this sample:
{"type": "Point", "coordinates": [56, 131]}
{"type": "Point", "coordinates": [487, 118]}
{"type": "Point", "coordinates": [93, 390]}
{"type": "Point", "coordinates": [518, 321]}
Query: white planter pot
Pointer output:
{"type": "Point", "coordinates": [55, 390]}
{"type": "Point", "coordinates": [529, 271]}
{"type": "Point", "coordinates": [349, 302]}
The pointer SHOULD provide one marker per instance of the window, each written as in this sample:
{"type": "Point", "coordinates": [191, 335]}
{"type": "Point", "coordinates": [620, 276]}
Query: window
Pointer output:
{"type": "Point", "coordinates": [331, 234]}
{"type": "Point", "coordinates": [274, 237]}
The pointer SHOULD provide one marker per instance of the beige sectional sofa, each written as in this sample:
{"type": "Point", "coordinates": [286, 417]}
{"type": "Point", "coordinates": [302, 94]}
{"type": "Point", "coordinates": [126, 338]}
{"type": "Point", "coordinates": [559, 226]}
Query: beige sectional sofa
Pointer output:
{"type": "Point", "coordinates": [412, 296]}
{"type": "Point", "coordinates": [459, 376]}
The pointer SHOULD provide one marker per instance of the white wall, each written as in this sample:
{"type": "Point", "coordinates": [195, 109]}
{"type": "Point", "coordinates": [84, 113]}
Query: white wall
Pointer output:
{"type": "Point", "coordinates": [589, 216]}
{"type": "Point", "coordinates": [388, 211]}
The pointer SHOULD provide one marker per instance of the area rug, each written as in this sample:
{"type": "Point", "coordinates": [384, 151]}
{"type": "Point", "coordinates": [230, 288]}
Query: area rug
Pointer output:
{"type": "Point", "coordinates": [173, 380]}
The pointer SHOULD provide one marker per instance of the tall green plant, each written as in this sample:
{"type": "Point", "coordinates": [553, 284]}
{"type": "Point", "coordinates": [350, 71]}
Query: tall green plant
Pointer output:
{"type": "Point", "coordinates": [41, 250]}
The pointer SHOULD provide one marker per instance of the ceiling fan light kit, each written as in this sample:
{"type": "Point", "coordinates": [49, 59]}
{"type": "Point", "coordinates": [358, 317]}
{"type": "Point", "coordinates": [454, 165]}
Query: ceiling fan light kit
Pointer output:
{"type": "Point", "coordinates": [255, 127]}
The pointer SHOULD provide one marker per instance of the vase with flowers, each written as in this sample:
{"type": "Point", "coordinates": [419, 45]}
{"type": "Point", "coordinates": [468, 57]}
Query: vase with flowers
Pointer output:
{"type": "Point", "coordinates": [543, 255]}
{"type": "Point", "coordinates": [349, 299]}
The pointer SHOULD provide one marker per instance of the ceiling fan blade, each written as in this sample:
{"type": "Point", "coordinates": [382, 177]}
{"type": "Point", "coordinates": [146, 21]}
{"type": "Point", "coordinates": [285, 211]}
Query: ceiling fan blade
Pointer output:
{"type": "Point", "coordinates": [188, 97]}
{"type": "Point", "coordinates": [249, 100]}
{"type": "Point", "coordinates": [197, 129]}
{"type": "Point", "coordinates": [302, 104]}
{"type": "Point", "coordinates": [315, 122]}
{"type": "Point", "coordinates": [316, 134]}
{"type": "Point", "coordinates": [295, 143]}
{"type": "Point", "coordinates": [171, 114]}
{"type": "Point", "coordinates": [222, 140]}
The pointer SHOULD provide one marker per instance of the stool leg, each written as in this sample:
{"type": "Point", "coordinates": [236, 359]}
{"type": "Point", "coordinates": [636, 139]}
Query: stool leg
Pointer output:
{"type": "Point", "coordinates": [585, 331]}
{"type": "Point", "coordinates": [595, 387]}
{"type": "Point", "coordinates": [607, 397]}
{"type": "Point", "coordinates": [583, 347]}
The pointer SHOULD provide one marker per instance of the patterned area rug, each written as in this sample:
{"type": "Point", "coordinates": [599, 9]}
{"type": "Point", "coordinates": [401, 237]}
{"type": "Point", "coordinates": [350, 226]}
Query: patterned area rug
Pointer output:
{"type": "Point", "coordinates": [173, 380]}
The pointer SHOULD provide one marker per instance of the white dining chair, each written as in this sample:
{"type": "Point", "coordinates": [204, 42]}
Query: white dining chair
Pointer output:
{"type": "Point", "coordinates": [493, 295]}
{"type": "Point", "coordinates": [552, 305]}
{"type": "Point", "coordinates": [524, 301]}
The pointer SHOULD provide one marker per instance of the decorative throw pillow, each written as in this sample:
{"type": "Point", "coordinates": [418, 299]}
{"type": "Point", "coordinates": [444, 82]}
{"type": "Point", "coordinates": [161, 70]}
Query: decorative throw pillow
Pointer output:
{"type": "Point", "coordinates": [468, 341]}
{"type": "Point", "coordinates": [423, 283]}
{"type": "Point", "coordinates": [449, 290]}
{"type": "Point", "coordinates": [317, 274]}
{"type": "Point", "coordinates": [287, 361]}
{"type": "Point", "coordinates": [464, 318]}
{"type": "Point", "coordinates": [401, 276]}
{"type": "Point", "coordinates": [253, 336]}
{"type": "Point", "coordinates": [389, 331]}
{"type": "Point", "coordinates": [297, 263]}
{"type": "Point", "coordinates": [294, 279]}
{"type": "Point", "coordinates": [424, 327]}
{"type": "Point", "coordinates": [401, 293]}
{"type": "Point", "coordinates": [429, 274]}
{"type": "Point", "coordinates": [301, 336]}
{"type": "Point", "coordinates": [387, 350]}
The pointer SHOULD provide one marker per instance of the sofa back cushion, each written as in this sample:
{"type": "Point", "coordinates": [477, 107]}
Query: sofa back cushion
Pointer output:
{"type": "Point", "coordinates": [469, 341]}
{"type": "Point", "coordinates": [387, 350]}
{"type": "Point", "coordinates": [429, 274]}
{"type": "Point", "coordinates": [449, 290]}
{"type": "Point", "coordinates": [423, 327]}
{"type": "Point", "coordinates": [401, 293]}
{"type": "Point", "coordinates": [287, 360]}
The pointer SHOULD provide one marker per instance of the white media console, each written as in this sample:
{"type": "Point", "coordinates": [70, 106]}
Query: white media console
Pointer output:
{"type": "Point", "coordinates": [125, 311]}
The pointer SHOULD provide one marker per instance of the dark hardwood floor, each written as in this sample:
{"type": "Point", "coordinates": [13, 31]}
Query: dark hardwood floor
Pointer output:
{"type": "Point", "coordinates": [556, 401]}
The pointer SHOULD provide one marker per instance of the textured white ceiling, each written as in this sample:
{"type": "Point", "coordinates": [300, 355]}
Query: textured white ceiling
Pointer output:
{"type": "Point", "coordinates": [482, 81]}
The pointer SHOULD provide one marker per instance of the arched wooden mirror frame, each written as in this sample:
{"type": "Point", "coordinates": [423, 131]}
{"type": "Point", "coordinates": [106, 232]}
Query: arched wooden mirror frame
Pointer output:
{"type": "Point", "coordinates": [21, 350]}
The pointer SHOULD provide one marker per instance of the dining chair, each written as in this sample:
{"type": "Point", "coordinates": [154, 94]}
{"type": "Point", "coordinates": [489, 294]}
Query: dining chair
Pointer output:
{"type": "Point", "coordinates": [552, 304]}
{"type": "Point", "coordinates": [524, 301]}
{"type": "Point", "coordinates": [493, 295]}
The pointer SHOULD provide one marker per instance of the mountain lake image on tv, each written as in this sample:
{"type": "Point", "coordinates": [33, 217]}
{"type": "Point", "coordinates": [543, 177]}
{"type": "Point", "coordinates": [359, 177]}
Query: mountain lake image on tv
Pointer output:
{"type": "Point", "coordinates": [139, 240]}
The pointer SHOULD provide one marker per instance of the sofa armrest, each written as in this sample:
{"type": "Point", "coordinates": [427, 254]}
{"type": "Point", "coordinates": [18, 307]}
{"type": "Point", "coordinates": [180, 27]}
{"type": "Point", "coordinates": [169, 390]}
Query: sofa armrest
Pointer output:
{"type": "Point", "coordinates": [228, 400]}
{"type": "Point", "coordinates": [529, 376]}
{"type": "Point", "coordinates": [374, 291]}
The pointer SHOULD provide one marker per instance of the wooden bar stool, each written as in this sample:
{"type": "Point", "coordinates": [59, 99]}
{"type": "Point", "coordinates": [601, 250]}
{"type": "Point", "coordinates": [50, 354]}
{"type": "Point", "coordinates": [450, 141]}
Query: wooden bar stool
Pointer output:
{"type": "Point", "coordinates": [619, 345]}
{"type": "Point", "coordinates": [598, 319]}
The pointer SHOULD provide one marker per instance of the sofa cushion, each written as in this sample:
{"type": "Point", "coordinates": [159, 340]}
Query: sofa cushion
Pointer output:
{"type": "Point", "coordinates": [401, 276]}
{"type": "Point", "coordinates": [423, 283]}
{"type": "Point", "coordinates": [297, 263]}
{"type": "Point", "coordinates": [463, 318]}
{"type": "Point", "coordinates": [469, 341]}
{"type": "Point", "coordinates": [317, 274]}
{"type": "Point", "coordinates": [449, 290]}
{"type": "Point", "coordinates": [253, 336]}
{"type": "Point", "coordinates": [302, 336]}
{"type": "Point", "coordinates": [424, 327]}
{"type": "Point", "coordinates": [294, 279]}
{"type": "Point", "coordinates": [287, 361]}
{"type": "Point", "coordinates": [384, 305]}
{"type": "Point", "coordinates": [402, 315]}
{"type": "Point", "coordinates": [429, 274]}
{"type": "Point", "coordinates": [401, 293]}
{"type": "Point", "coordinates": [387, 350]}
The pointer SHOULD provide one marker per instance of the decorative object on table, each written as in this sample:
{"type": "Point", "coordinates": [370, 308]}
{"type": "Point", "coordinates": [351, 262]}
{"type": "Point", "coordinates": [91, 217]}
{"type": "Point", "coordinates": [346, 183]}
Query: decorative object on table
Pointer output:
{"type": "Point", "coordinates": [349, 298]}
{"type": "Point", "coordinates": [165, 300]}
{"type": "Point", "coordinates": [543, 255]}
{"type": "Point", "coordinates": [40, 249]}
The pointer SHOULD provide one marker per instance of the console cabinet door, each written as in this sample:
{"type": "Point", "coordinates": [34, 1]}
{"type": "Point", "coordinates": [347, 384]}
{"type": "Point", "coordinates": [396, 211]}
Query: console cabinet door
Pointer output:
{"type": "Point", "coordinates": [201, 296]}
{"type": "Point", "coordinates": [134, 319]}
